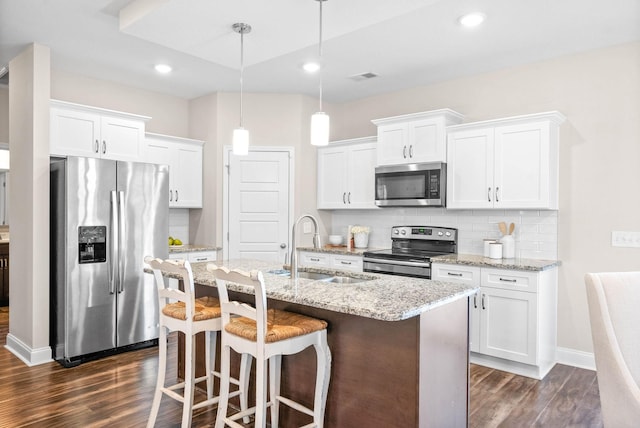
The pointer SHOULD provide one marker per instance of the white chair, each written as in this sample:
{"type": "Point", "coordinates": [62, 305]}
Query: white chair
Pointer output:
{"type": "Point", "coordinates": [190, 316]}
{"type": "Point", "coordinates": [267, 334]}
{"type": "Point", "coordinates": [614, 309]}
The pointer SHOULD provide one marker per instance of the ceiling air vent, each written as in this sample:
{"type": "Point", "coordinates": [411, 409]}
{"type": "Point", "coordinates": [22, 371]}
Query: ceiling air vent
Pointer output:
{"type": "Point", "coordinates": [363, 76]}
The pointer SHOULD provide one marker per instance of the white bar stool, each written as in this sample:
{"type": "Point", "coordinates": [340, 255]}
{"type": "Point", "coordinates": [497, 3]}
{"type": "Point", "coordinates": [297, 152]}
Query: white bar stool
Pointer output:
{"type": "Point", "coordinates": [267, 334]}
{"type": "Point", "coordinates": [190, 316]}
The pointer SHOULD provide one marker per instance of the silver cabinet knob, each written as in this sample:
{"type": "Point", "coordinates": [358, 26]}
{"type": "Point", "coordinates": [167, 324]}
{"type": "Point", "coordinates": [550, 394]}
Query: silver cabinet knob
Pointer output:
{"type": "Point", "coordinates": [283, 245]}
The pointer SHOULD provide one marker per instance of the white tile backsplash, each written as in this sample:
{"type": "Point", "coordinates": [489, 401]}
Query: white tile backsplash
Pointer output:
{"type": "Point", "coordinates": [179, 224]}
{"type": "Point", "coordinates": [536, 232]}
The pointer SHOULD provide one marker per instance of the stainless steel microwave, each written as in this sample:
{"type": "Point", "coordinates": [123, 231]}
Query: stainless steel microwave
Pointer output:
{"type": "Point", "coordinates": [411, 185]}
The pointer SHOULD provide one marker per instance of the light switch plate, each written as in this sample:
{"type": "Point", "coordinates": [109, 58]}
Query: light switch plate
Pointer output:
{"type": "Point", "coordinates": [625, 239]}
{"type": "Point", "coordinates": [306, 227]}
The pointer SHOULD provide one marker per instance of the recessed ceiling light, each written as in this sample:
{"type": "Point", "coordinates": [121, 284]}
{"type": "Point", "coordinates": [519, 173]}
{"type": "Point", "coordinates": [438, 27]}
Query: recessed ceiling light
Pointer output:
{"type": "Point", "coordinates": [163, 68]}
{"type": "Point", "coordinates": [472, 19]}
{"type": "Point", "coordinates": [311, 67]}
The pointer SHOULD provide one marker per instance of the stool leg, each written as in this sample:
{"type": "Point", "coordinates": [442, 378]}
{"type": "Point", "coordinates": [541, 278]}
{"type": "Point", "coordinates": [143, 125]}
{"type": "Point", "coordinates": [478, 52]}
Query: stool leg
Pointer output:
{"type": "Point", "coordinates": [323, 374]}
{"type": "Point", "coordinates": [210, 357]}
{"type": "Point", "coordinates": [261, 392]}
{"type": "Point", "coordinates": [245, 374]}
{"type": "Point", "coordinates": [189, 374]}
{"type": "Point", "coordinates": [162, 367]}
{"type": "Point", "coordinates": [225, 370]}
{"type": "Point", "coordinates": [275, 365]}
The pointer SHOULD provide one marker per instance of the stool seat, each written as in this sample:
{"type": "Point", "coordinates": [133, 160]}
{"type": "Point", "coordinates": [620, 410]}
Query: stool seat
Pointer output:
{"type": "Point", "coordinates": [281, 325]}
{"type": "Point", "coordinates": [205, 308]}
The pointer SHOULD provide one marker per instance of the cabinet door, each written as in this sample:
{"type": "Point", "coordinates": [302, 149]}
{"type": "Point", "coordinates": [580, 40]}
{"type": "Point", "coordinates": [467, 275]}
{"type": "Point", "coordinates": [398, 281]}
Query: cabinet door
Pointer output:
{"type": "Point", "coordinates": [392, 144]}
{"type": "Point", "coordinates": [470, 169]}
{"type": "Point", "coordinates": [332, 177]}
{"type": "Point", "coordinates": [159, 151]}
{"type": "Point", "coordinates": [121, 139]}
{"type": "Point", "coordinates": [508, 324]}
{"type": "Point", "coordinates": [74, 133]}
{"type": "Point", "coordinates": [522, 166]}
{"type": "Point", "coordinates": [427, 142]}
{"type": "Point", "coordinates": [361, 176]}
{"type": "Point", "coordinates": [187, 176]}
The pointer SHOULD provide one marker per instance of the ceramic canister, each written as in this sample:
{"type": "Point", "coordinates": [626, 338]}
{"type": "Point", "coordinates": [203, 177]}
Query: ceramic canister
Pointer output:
{"type": "Point", "coordinates": [495, 250]}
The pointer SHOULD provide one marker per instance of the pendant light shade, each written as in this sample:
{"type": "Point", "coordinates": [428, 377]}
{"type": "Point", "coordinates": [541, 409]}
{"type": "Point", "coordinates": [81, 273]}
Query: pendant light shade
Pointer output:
{"type": "Point", "coordinates": [320, 129]}
{"type": "Point", "coordinates": [240, 134]}
{"type": "Point", "coordinates": [320, 120]}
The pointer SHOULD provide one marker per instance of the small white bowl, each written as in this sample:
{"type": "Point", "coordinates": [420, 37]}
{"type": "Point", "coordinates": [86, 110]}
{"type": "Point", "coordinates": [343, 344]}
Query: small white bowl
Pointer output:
{"type": "Point", "coordinates": [335, 239]}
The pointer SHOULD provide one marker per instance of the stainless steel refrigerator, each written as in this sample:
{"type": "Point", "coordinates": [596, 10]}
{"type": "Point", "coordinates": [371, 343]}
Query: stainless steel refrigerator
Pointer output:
{"type": "Point", "coordinates": [106, 216]}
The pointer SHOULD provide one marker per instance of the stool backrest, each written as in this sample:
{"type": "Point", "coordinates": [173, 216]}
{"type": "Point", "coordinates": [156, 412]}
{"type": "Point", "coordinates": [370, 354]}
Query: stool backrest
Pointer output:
{"type": "Point", "coordinates": [182, 268]}
{"type": "Point", "coordinates": [253, 279]}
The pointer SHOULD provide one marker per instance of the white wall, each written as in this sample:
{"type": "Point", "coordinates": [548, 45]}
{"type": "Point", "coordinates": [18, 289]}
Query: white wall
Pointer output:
{"type": "Point", "coordinates": [4, 114]}
{"type": "Point", "coordinates": [599, 92]}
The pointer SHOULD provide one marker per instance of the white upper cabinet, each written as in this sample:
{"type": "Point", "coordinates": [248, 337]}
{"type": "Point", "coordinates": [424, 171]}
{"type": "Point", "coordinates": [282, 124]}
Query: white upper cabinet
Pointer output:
{"type": "Point", "coordinates": [184, 157]}
{"type": "Point", "coordinates": [507, 163]}
{"type": "Point", "coordinates": [414, 138]}
{"type": "Point", "coordinates": [78, 130]}
{"type": "Point", "coordinates": [346, 174]}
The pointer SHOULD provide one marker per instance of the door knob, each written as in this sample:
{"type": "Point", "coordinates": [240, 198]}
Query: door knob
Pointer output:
{"type": "Point", "coordinates": [283, 245]}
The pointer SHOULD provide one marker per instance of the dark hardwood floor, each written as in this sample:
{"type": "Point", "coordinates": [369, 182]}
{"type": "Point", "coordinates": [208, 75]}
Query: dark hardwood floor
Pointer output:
{"type": "Point", "coordinates": [117, 391]}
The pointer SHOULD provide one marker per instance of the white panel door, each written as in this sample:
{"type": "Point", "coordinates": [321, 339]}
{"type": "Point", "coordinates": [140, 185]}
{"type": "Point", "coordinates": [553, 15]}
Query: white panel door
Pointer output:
{"type": "Point", "coordinates": [259, 206]}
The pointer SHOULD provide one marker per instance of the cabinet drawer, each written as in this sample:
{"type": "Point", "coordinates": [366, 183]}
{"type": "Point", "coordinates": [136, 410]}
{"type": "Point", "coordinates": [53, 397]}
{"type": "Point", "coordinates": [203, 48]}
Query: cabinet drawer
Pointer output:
{"type": "Point", "coordinates": [202, 256]}
{"type": "Point", "coordinates": [456, 273]}
{"type": "Point", "coordinates": [510, 279]}
{"type": "Point", "coordinates": [314, 259]}
{"type": "Point", "coordinates": [353, 263]}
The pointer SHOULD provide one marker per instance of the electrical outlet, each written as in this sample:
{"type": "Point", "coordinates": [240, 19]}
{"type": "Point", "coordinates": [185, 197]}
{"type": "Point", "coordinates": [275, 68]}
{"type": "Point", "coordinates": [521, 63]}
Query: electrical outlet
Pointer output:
{"type": "Point", "coordinates": [306, 227]}
{"type": "Point", "coordinates": [625, 239]}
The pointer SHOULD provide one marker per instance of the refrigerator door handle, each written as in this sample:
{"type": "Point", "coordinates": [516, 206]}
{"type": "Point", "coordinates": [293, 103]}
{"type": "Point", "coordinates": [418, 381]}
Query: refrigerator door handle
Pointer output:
{"type": "Point", "coordinates": [121, 239]}
{"type": "Point", "coordinates": [113, 257]}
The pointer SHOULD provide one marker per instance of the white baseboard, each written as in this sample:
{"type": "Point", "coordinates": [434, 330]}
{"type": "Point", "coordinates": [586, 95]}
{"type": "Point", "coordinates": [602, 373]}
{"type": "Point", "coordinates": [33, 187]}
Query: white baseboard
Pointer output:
{"type": "Point", "coordinates": [572, 357]}
{"type": "Point", "coordinates": [29, 356]}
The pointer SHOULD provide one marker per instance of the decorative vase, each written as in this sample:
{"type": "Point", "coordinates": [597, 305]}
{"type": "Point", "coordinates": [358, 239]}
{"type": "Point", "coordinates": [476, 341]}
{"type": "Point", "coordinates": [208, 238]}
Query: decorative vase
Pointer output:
{"type": "Point", "coordinates": [361, 239]}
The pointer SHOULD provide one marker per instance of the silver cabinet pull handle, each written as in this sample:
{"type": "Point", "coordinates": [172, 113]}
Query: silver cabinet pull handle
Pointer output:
{"type": "Point", "coordinates": [170, 195]}
{"type": "Point", "coordinates": [454, 274]}
{"type": "Point", "coordinates": [404, 152]}
{"type": "Point", "coordinates": [411, 151]}
{"type": "Point", "coordinates": [497, 194]}
{"type": "Point", "coordinates": [508, 280]}
{"type": "Point", "coordinates": [483, 307]}
{"type": "Point", "coordinates": [344, 197]}
{"type": "Point", "coordinates": [313, 259]}
{"type": "Point", "coordinates": [176, 196]}
{"type": "Point", "coordinates": [97, 146]}
{"type": "Point", "coordinates": [475, 301]}
{"type": "Point", "coordinates": [104, 147]}
{"type": "Point", "coordinates": [349, 197]}
{"type": "Point", "coordinates": [345, 263]}
{"type": "Point", "coordinates": [489, 194]}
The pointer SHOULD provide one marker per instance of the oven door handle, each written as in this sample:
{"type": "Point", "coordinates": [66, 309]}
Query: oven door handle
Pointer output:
{"type": "Point", "coordinates": [396, 262]}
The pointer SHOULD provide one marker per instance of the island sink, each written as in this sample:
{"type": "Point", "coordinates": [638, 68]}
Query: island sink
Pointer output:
{"type": "Point", "coordinates": [319, 276]}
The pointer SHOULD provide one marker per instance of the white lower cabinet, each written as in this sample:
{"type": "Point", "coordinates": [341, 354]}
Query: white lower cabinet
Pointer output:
{"type": "Point", "coordinates": [330, 261]}
{"type": "Point", "coordinates": [196, 256]}
{"type": "Point", "coordinates": [513, 317]}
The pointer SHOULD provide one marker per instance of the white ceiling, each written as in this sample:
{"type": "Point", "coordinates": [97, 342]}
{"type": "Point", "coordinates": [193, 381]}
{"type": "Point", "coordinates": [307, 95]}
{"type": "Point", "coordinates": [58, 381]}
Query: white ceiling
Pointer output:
{"type": "Point", "coordinates": [405, 42]}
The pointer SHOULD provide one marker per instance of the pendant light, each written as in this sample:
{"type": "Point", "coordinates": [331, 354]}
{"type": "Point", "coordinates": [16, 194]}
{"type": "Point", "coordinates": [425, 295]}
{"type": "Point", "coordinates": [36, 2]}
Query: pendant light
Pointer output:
{"type": "Point", "coordinates": [320, 120]}
{"type": "Point", "coordinates": [240, 134]}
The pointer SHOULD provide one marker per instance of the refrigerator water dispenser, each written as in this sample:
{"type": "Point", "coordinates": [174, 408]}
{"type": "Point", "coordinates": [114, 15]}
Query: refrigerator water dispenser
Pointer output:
{"type": "Point", "coordinates": [92, 244]}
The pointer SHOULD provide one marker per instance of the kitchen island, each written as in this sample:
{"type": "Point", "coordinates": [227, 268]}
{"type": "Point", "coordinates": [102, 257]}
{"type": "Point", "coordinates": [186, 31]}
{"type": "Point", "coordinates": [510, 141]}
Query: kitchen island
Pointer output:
{"type": "Point", "coordinates": [399, 345]}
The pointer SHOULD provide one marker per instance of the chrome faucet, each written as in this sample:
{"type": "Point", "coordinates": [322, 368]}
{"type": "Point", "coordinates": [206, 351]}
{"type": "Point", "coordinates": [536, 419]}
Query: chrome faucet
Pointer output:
{"type": "Point", "coordinates": [316, 243]}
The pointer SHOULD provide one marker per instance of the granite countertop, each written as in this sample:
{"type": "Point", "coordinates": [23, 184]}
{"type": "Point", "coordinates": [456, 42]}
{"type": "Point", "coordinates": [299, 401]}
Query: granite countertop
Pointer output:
{"type": "Point", "coordinates": [480, 261]}
{"type": "Point", "coordinates": [191, 248]}
{"type": "Point", "coordinates": [384, 297]}
{"type": "Point", "coordinates": [331, 249]}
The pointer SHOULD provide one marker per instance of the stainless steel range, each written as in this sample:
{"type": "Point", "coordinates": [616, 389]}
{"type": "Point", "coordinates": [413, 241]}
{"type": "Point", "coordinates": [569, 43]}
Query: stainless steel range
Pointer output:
{"type": "Point", "coordinates": [411, 250]}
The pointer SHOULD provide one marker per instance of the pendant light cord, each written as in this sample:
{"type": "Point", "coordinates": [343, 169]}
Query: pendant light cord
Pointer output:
{"type": "Point", "coordinates": [242, 30]}
{"type": "Point", "coordinates": [320, 53]}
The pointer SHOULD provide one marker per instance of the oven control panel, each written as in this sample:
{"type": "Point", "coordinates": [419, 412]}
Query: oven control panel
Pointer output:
{"type": "Point", "coordinates": [424, 232]}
